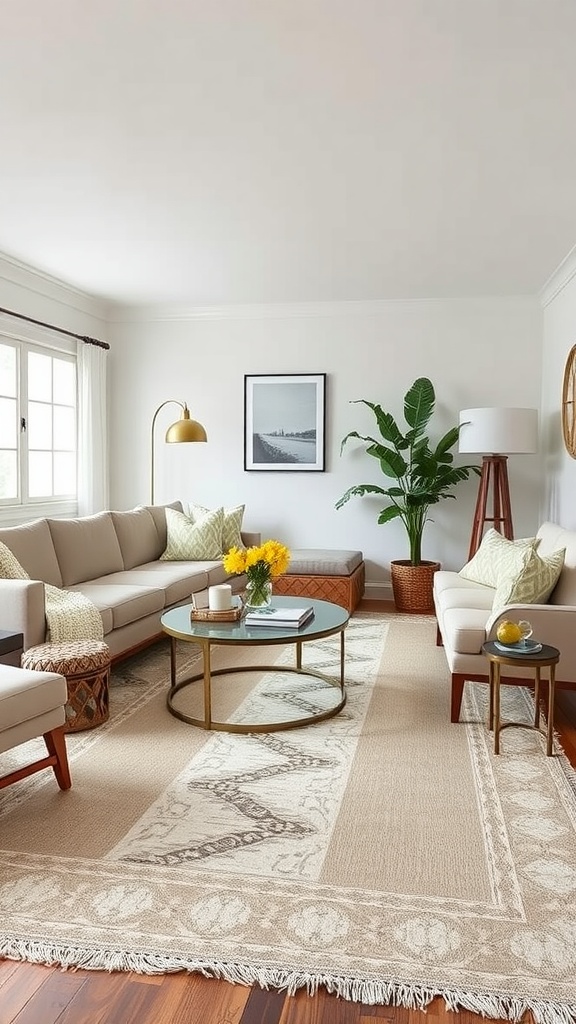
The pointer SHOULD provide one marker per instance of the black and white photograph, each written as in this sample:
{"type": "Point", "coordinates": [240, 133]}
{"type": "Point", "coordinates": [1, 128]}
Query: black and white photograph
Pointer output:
{"type": "Point", "coordinates": [284, 421]}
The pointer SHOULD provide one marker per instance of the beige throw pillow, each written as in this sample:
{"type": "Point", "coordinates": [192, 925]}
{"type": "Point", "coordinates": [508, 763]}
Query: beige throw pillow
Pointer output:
{"type": "Point", "coordinates": [231, 524]}
{"type": "Point", "coordinates": [10, 568]}
{"type": "Point", "coordinates": [533, 583]}
{"type": "Point", "coordinates": [495, 558]}
{"type": "Point", "coordinates": [187, 541]}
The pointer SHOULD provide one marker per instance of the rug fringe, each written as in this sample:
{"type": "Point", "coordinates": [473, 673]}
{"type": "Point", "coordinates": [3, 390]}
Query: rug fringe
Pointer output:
{"type": "Point", "coordinates": [357, 990]}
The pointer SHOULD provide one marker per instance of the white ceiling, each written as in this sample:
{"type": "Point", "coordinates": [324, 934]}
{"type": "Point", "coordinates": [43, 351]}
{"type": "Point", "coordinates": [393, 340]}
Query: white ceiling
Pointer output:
{"type": "Point", "coordinates": [241, 151]}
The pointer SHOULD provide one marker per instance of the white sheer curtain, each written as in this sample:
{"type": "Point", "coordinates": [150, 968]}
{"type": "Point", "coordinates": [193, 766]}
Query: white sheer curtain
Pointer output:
{"type": "Point", "coordinates": [93, 490]}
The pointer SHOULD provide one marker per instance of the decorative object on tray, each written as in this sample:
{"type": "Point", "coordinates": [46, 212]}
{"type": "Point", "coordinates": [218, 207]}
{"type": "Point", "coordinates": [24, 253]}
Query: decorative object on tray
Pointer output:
{"type": "Point", "coordinates": [260, 563]}
{"type": "Point", "coordinates": [514, 638]}
{"type": "Point", "coordinates": [232, 614]}
{"type": "Point", "coordinates": [279, 617]}
{"type": "Point", "coordinates": [522, 647]}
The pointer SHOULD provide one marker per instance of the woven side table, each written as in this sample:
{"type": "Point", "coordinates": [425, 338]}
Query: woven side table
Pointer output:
{"type": "Point", "coordinates": [86, 665]}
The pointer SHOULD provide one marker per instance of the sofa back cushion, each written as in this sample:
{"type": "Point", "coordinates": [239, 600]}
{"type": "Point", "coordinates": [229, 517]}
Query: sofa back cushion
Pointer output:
{"type": "Point", "coordinates": [553, 538]}
{"type": "Point", "coordinates": [158, 513]}
{"type": "Point", "coordinates": [137, 536]}
{"type": "Point", "coordinates": [86, 548]}
{"type": "Point", "coordinates": [32, 545]}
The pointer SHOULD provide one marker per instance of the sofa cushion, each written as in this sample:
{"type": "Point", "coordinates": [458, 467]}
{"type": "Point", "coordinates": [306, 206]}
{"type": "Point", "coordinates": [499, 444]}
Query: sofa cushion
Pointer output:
{"type": "Point", "coordinates": [553, 537]}
{"type": "Point", "coordinates": [495, 557]}
{"type": "Point", "coordinates": [533, 582]}
{"type": "Point", "coordinates": [188, 541]}
{"type": "Point", "coordinates": [32, 545]}
{"type": "Point", "coordinates": [231, 524]}
{"type": "Point", "coordinates": [447, 579]}
{"type": "Point", "coordinates": [86, 547]}
{"type": "Point", "coordinates": [158, 513]}
{"type": "Point", "coordinates": [137, 536]}
{"type": "Point", "coordinates": [126, 602]}
{"type": "Point", "coordinates": [175, 581]}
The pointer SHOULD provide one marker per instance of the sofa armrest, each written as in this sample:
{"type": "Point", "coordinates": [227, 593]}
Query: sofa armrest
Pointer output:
{"type": "Point", "coordinates": [553, 624]}
{"type": "Point", "coordinates": [251, 539]}
{"type": "Point", "coordinates": [22, 609]}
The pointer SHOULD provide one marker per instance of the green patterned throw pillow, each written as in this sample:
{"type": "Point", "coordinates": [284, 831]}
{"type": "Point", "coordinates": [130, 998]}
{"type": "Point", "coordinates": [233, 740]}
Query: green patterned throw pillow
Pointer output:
{"type": "Point", "coordinates": [231, 524]}
{"type": "Point", "coordinates": [193, 541]}
{"type": "Point", "coordinates": [495, 558]}
{"type": "Point", "coordinates": [534, 583]}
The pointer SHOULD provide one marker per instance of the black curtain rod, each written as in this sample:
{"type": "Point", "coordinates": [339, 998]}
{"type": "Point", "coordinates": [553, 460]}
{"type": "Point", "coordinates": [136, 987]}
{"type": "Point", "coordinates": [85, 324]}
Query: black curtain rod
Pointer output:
{"type": "Point", "coordinates": [60, 330]}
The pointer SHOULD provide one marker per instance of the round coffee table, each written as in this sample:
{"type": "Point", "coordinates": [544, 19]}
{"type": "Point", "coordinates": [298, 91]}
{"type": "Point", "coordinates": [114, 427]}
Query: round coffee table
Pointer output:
{"type": "Point", "coordinates": [328, 619]}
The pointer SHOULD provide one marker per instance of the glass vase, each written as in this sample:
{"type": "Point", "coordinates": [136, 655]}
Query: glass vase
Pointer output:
{"type": "Point", "coordinates": [258, 593]}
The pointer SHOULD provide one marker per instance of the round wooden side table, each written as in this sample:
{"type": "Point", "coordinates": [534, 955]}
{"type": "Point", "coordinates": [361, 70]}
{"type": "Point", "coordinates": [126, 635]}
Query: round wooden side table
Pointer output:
{"type": "Point", "coordinates": [547, 657]}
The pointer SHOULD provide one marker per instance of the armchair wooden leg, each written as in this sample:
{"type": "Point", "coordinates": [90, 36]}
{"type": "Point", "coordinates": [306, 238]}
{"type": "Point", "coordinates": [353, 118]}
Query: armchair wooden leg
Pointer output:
{"type": "Point", "coordinates": [457, 694]}
{"type": "Point", "coordinates": [56, 744]}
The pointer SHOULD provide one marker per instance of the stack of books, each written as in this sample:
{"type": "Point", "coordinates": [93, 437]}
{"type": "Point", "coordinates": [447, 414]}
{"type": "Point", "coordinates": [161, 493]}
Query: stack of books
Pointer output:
{"type": "Point", "coordinates": [279, 617]}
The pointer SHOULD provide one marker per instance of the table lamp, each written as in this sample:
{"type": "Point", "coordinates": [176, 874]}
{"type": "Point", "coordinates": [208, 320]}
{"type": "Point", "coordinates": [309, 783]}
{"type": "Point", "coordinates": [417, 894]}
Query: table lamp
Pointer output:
{"type": "Point", "coordinates": [495, 434]}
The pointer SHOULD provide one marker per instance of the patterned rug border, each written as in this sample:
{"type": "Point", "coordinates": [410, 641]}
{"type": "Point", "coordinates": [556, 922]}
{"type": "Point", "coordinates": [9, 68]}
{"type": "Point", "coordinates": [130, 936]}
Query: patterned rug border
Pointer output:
{"type": "Point", "coordinates": [394, 991]}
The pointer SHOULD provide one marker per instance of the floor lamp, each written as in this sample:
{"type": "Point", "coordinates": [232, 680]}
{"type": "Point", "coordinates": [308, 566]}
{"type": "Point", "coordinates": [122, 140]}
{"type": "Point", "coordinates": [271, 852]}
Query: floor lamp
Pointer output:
{"type": "Point", "coordinates": [499, 432]}
{"type": "Point", "coordinates": [183, 429]}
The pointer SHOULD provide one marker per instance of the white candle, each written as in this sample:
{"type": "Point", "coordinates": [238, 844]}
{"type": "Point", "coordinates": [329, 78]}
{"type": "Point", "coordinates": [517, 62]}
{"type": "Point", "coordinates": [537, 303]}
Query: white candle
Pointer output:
{"type": "Point", "coordinates": [220, 597]}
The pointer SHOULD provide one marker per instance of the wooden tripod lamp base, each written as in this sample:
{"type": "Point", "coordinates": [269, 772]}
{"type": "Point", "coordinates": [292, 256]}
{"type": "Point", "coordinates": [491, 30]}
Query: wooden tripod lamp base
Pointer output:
{"type": "Point", "coordinates": [495, 472]}
{"type": "Point", "coordinates": [514, 431]}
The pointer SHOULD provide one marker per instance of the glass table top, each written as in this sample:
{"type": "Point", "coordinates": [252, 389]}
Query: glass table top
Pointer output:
{"type": "Point", "coordinates": [327, 618]}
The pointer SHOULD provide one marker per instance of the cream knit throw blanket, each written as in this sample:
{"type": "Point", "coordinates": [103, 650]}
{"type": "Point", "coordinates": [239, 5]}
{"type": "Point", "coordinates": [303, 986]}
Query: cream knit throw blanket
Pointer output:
{"type": "Point", "coordinates": [69, 615]}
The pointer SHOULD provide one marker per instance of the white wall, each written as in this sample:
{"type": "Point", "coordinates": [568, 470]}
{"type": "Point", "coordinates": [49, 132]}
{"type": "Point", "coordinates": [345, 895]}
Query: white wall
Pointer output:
{"type": "Point", "coordinates": [477, 353]}
{"type": "Point", "coordinates": [559, 335]}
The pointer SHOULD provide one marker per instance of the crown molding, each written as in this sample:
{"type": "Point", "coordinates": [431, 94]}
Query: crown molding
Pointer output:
{"type": "Point", "coordinates": [29, 278]}
{"type": "Point", "coordinates": [561, 277]}
{"type": "Point", "coordinates": [119, 313]}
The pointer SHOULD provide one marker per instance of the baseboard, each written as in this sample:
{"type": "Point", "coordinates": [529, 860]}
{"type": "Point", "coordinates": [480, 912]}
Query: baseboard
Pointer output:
{"type": "Point", "coordinates": [378, 591]}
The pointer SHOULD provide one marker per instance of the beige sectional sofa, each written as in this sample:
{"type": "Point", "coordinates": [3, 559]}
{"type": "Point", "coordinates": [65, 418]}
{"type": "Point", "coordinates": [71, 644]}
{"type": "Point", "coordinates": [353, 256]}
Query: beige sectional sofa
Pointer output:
{"type": "Point", "coordinates": [113, 558]}
{"type": "Point", "coordinates": [466, 618]}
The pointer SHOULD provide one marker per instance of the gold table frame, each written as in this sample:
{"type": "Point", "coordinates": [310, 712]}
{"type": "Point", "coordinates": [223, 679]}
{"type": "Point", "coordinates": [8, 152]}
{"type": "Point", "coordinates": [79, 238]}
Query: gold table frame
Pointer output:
{"type": "Point", "coordinates": [290, 635]}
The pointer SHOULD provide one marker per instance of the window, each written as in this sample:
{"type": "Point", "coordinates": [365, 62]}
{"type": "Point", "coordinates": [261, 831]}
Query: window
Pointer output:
{"type": "Point", "coordinates": [38, 425]}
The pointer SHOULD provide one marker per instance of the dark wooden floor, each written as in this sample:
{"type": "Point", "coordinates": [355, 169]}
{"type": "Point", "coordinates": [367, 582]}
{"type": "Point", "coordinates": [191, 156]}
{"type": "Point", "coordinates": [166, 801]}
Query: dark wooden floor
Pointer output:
{"type": "Point", "coordinates": [31, 994]}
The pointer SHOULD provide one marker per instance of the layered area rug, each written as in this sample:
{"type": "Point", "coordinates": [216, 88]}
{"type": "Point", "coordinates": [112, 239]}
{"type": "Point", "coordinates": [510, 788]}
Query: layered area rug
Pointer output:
{"type": "Point", "coordinates": [385, 853]}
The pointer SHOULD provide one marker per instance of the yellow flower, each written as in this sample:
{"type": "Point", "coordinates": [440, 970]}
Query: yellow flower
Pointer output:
{"type": "Point", "coordinates": [234, 561]}
{"type": "Point", "coordinates": [268, 559]}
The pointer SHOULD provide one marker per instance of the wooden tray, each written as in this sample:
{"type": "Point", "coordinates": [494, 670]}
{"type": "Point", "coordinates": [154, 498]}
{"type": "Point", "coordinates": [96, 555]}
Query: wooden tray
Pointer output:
{"type": "Point", "coordinates": [207, 615]}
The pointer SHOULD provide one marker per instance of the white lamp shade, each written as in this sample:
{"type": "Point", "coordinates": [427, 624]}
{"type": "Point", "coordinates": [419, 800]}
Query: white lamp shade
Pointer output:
{"type": "Point", "coordinates": [498, 431]}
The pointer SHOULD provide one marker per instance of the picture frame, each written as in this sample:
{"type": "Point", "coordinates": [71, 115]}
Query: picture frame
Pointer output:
{"type": "Point", "coordinates": [285, 422]}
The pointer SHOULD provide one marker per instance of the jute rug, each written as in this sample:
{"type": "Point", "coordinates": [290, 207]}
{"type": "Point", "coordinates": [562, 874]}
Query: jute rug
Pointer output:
{"type": "Point", "coordinates": [385, 854]}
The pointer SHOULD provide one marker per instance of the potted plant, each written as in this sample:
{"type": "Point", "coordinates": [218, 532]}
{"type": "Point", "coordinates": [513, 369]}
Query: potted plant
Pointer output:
{"type": "Point", "coordinates": [422, 474]}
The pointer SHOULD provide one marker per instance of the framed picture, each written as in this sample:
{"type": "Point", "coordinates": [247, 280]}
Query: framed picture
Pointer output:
{"type": "Point", "coordinates": [284, 422]}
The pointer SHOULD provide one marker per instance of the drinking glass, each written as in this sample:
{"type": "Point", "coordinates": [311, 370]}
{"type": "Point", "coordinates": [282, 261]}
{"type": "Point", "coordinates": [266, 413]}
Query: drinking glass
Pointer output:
{"type": "Point", "coordinates": [526, 629]}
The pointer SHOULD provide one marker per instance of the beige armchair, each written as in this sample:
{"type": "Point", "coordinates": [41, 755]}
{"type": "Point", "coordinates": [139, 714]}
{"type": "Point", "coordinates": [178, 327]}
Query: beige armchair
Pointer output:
{"type": "Point", "coordinates": [466, 619]}
{"type": "Point", "coordinates": [32, 704]}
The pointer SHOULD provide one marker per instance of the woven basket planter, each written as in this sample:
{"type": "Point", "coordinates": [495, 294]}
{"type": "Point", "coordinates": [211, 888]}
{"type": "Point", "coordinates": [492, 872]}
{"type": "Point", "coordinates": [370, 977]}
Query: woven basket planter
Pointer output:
{"type": "Point", "coordinates": [412, 585]}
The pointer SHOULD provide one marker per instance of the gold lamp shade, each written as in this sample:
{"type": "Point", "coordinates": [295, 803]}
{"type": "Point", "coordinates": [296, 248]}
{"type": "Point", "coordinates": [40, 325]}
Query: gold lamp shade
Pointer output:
{"type": "Point", "coordinates": [184, 429]}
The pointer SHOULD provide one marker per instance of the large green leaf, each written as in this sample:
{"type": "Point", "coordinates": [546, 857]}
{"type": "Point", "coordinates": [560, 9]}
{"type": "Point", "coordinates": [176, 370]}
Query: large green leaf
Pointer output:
{"type": "Point", "coordinates": [387, 425]}
{"type": "Point", "coordinates": [419, 403]}
{"type": "Point", "coordinates": [358, 491]}
{"type": "Point", "coordinates": [392, 512]}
